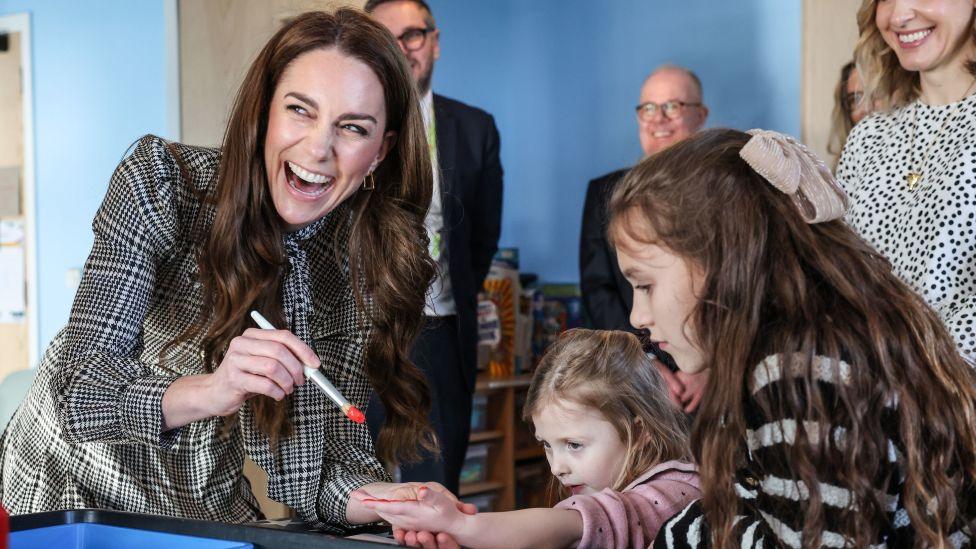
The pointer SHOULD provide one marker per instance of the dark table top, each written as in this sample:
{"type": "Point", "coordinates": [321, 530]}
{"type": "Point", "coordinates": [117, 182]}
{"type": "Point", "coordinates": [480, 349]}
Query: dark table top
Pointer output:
{"type": "Point", "coordinates": [263, 535]}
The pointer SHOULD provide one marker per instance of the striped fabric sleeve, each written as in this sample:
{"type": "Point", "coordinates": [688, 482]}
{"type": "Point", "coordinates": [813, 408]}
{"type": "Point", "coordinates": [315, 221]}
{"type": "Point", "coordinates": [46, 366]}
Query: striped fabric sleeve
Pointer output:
{"type": "Point", "coordinates": [772, 494]}
{"type": "Point", "coordinates": [772, 500]}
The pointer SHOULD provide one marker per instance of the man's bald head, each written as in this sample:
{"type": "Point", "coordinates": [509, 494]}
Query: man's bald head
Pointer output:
{"type": "Point", "coordinates": [680, 87]}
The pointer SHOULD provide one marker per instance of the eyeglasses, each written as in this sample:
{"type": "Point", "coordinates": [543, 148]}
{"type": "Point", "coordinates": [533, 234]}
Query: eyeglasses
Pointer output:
{"type": "Point", "coordinates": [670, 109]}
{"type": "Point", "coordinates": [414, 39]}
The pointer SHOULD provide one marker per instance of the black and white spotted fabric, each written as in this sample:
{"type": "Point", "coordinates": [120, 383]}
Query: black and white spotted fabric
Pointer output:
{"type": "Point", "coordinates": [89, 433]}
{"type": "Point", "coordinates": [929, 234]}
{"type": "Point", "coordinates": [771, 497]}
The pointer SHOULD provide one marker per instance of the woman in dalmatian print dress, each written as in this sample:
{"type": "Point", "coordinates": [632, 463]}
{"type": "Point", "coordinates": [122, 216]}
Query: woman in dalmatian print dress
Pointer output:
{"type": "Point", "coordinates": [312, 212]}
{"type": "Point", "coordinates": [910, 169]}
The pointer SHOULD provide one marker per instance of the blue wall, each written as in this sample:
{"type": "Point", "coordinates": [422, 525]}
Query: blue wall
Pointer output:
{"type": "Point", "coordinates": [562, 78]}
{"type": "Point", "coordinates": [99, 71]}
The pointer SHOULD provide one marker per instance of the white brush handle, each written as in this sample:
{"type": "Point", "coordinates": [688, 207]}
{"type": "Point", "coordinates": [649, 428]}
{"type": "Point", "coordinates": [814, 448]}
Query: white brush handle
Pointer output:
{"type": "Point", "coordinates": [323, 382]}
{"type": "Point", "coordinates": [310, 371]}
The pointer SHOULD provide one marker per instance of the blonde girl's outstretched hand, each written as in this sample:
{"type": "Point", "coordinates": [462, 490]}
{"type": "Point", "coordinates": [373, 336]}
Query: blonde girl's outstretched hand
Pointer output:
{"type": "Point", "coordinates": [432, 511]}
{"type": "Point", "coordinates": [358, 512]}
{"type": "Point", "coordinates": [425, 540]}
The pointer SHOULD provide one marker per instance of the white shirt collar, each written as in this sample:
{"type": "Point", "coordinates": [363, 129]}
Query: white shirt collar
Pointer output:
{"type": "Point", "coordinates": [427, 107]}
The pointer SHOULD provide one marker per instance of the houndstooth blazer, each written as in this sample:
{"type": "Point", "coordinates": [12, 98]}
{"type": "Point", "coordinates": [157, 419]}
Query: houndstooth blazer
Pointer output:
{"type": "Point", "coordinates": [90, 431]}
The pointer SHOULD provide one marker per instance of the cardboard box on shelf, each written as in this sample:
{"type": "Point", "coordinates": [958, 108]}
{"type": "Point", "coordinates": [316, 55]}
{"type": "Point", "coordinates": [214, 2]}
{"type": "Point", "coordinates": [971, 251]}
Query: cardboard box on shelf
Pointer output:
{"type": "Point", "coordinates": [479, 413]}
{"type": "Point", "coordinates": [475, 467]}
{"type": "Point", "coordinates": [483, 502]}
{"type": "Point", "coordinates": [534, 485]}
{"type": "Point", "coordinates": [560, 310]}
{"type": "Point", "coordinates": [524, 328]}
{"type": "Point", "coordinates": [497, 315]}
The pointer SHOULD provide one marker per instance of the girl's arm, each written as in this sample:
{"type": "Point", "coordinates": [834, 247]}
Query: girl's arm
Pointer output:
{"type": "Point", "coordinates": [434, 512]}
{"type": "Point", "coordinates": [538, 527]}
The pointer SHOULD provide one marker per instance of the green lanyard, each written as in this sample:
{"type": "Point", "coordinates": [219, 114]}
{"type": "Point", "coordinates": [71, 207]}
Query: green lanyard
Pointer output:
{"type": "Point", "coordinates": [435, 236]}
{"type": "Point", "coordinates": [432, 137]}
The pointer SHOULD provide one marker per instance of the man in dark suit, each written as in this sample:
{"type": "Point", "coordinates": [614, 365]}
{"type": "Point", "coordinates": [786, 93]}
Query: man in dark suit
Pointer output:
{"type": "Point", "coordinates": [463, 223]}
{"type": "Point", "coordinates": [670, 109]}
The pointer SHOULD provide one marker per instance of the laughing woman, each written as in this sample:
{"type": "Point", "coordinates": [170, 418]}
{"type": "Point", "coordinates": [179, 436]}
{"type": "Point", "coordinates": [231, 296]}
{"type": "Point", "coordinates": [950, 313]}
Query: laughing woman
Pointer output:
{"type": "Point", "coordinates": [910, 170]}
{"type": "Point", "coordinates": [312, 212]}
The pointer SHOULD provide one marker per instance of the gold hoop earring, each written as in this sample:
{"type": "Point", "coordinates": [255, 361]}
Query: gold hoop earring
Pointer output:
{"type": "Point", "coordinates": [369, 183]}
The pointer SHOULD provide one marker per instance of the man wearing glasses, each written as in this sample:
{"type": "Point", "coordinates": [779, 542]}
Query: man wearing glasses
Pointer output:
{"type": "Point", "coordinates": [670, 109]}
{"type": "Point", "coordinates": [464, 222]}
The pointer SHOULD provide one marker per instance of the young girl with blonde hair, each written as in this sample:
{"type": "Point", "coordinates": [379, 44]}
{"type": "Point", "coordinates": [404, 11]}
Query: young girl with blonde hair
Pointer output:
{"type": "Point", "coordinates": [838, 411]}
{"type": "Point", "coordinates": [614, 440]}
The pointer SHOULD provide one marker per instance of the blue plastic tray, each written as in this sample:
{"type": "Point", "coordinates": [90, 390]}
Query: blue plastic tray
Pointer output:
{"type": "Point", "coordinates": [99, 536]}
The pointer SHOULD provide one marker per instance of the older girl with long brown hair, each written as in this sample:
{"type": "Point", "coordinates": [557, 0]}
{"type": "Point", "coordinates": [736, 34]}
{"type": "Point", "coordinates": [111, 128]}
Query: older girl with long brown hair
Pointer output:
{"type": "Point", "coordinates": [312, 213]}
{"type": "Point", "coordinates": [838, 411]}
{"type": "Point", "coordinates": [910, 168]}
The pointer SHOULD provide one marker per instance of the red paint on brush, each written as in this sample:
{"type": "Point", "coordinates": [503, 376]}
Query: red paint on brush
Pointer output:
{"type": "Point", "coordinates": [354, 414]}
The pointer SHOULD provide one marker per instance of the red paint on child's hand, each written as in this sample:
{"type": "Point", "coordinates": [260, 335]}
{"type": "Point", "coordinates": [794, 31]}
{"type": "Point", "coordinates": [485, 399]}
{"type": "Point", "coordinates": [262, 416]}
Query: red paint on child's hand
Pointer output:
{"type": "Point", "coordinates": [355, 415]}
{"type": "Point", "coordinates": [380, 500]}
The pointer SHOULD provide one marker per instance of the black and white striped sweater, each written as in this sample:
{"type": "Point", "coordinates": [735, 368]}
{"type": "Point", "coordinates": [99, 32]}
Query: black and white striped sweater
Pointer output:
{"type": "Point", "coordinates": [772, 500]}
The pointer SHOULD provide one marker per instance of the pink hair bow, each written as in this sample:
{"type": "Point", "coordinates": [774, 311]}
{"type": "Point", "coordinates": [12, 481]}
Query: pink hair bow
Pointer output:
{"type": "Point", "coordinates": [793, 169]}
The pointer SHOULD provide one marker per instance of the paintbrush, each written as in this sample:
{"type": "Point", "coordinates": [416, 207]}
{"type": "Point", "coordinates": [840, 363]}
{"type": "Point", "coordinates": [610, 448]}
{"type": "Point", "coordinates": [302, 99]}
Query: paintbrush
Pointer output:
{"type": "Point", "coordinates": [315, 375]}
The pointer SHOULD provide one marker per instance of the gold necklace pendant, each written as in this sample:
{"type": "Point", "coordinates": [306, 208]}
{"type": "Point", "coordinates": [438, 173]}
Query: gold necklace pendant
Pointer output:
{"type": "Point", "coordinates": [912, 178]}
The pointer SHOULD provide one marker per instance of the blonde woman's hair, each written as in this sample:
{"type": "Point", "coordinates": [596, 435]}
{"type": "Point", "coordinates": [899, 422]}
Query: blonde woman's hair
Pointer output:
{"type": "Point", "coordinates": [886, 83]}
{"type": "Point", "coordinates": [609, 371]}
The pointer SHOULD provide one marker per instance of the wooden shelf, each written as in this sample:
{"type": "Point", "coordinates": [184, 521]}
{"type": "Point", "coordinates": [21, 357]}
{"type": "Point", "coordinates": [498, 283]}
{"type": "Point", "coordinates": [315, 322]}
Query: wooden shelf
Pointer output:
{"type": "Point", "coordinates": [485, 436]}
{"type": "Point", "coordinates": [503, 423]}
{"type": "Point", "coordinates": [488, 384]}
{"type": "Point", "coordinates": [470, 488]}
{"type": "Point", "coordinates": [530, 453]}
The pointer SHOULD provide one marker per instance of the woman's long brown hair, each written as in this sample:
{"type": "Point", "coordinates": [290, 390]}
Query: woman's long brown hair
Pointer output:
{"type": "Point", "coordinates": [242, 262]}
{"type": "Point", "coordinates": [774, 284]}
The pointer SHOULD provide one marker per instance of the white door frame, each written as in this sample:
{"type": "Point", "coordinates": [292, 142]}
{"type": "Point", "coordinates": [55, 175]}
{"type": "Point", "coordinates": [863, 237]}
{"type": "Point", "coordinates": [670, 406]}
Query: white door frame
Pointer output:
{"type": "Point", "coordinates": [20, 23]}
{"type": "Point", "coordinates": [171, 28]}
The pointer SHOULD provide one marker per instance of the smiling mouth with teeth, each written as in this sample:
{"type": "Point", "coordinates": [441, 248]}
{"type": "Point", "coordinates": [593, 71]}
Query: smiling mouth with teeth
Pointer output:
{"type": "Point", "coordinates": [914, 37]}
{"type": "Point", "coordinates": [305, 182]}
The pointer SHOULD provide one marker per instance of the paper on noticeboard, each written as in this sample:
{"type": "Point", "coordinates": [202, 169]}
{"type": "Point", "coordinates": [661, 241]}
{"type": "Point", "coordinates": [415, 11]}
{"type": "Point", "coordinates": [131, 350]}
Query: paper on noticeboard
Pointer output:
{"type": "Point", "coordinates": [13, 301]}
{"type": "Point", "coordinates": [9, 191]}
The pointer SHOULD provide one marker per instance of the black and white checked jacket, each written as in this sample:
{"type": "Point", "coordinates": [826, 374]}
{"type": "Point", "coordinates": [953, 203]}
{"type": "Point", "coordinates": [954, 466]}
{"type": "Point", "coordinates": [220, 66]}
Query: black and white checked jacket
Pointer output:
{"type": "Point", "coordinates": [89, 433]}
{"type": "Point", "coordinates": [771, 501]}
